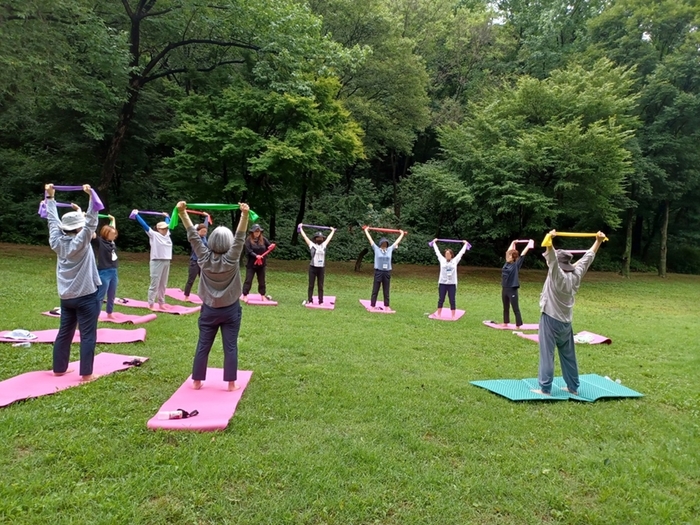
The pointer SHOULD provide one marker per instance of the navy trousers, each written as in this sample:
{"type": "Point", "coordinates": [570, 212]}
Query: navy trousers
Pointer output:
{"type": "Point", "coordinates": [228, 319]}
{"type": "Point", "coordinates": [509, 296]}
{"type": "Point", "coordinates": [449, 290]}
{"type": "Point", "coordinates": [381, 278]}
{"type": "Point", "coordinates": [83, 312]}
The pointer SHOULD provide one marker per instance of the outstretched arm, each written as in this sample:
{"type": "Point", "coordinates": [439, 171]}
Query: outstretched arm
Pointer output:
{"type": "Point", "coordinates": [112, 221]}
{"type": "Point", "coordinates": [330, 236]}
{"type": "Point", "coordinates": [182, 213]}
{"type": "Point", "coordinates": [243, 221]}
{"type": "Point", "coordinates": [237, 247]}
{"type": "Point", "coordinates": [398, 241]}
{"type": "Point", "coordinates": [140, 220]}
{"type": "Point", "coordinates": [369, 237]}
{"type": "Point", "coordinates": [304, 236]}
{"type": "Point", "coordinates": [524, 252]}
{"type": "Point", "coordinates": [511, 247]}
{"type": "Point", "coordinates": [600, 237]}
{"type": "Point", "coordinates": [461, 252]}
{"type": "Point", "coordinates": [437, 251]}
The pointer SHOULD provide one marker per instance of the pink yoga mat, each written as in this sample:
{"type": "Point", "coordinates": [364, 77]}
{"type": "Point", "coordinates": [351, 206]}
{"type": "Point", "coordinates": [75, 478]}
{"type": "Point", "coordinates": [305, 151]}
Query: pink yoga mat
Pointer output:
{"type": "Point", "coordinates": [328, 303]}
{"type": "Point", "coordinates": [595, 338]}
{"type": "Point", "coordinates": [215, 404]}
{"type": "Point", "coordinates": [104, 336]}
{"type": "Point", "coordinates": [511, 326]}
{"type": "Point", "coordinates": [117, 318]}
{"type": "Point", "coordinates": [177, 293]}
{"type": "Point", "coordinates": [447, 315]}
{"type": "Point", "coordinates": [257, 299]}
{"type": "Point", "coordinates": [42, 383]}
{"type": "Point", "coordinates": [168, 308]}
{"type": "Point", "coordinates": [378, 309]}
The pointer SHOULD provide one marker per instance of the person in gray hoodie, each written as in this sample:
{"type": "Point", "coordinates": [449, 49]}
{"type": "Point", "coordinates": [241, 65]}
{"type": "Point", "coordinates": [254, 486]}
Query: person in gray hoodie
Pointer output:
{"type": "Point", "coordinates": [557, 306]}
{"type": "Point", "coordinates": [220, 290]}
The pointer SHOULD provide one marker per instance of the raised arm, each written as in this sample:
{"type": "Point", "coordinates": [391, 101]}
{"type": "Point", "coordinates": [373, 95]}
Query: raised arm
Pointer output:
{"type": "Point", "coordinates": [52, 217]}
{"type": "Point", "coordinates": [112, 221]}
{"type": "Point", "coordinates": [330, 236]}
{"type": "Point", "coordinates": [398, 241]}
{"type": "Point", "coordinates": [91, 219]}
{"type": "Point", "coordinates": [511, 247]}
{"type": "Point", "coordinates": [182, 213]}
{"type": "Point", "coordinates": [525, 250]}
{"type": "Point", "coordinates": [234, 252]}
{"type": "Point", "coordinates": [304, 236]}
{"type": "Point", "coordinates": [599, 238]}
{"type": "Point", "coordinates": [143, 223]}
{"type": "Point", "coordinates": [369, 237]}
{"type": "Point", "coordinates": [461, 252]}
{"type": "Point", "coordinates": [437, 251]}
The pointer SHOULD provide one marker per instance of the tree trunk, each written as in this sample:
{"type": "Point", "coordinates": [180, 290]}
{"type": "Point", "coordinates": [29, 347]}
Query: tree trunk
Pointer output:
{"type": "Point", "coordinates": [395, 181]}
{"type": "Point", "coordinates": [273, 226]}
{"type": "Point", "coordinates": [300, 215]}
{"type": "Point", "coordinates": [664, 240]}
{"type": "Point", "coordinates": [126, 115]}
{"type": "Point", "coordinates": [358, 261]}
{"type": "Point", "coordinates": [627, 255]}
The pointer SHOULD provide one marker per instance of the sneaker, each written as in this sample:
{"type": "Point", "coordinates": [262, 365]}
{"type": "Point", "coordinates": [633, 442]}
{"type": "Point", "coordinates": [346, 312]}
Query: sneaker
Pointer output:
{"type": "Point", "coordinates": [303, 303]}
{"type": "Point", "coordinates": [268, 297]}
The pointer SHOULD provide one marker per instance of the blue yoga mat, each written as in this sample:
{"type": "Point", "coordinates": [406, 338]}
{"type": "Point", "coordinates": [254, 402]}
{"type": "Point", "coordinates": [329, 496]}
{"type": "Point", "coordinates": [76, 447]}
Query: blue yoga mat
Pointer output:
{"type": "Point", "coordinates": [592, 387]}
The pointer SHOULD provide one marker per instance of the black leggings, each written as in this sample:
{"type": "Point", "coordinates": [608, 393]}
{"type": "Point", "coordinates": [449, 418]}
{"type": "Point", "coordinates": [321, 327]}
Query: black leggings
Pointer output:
{"type": "Point", "coordinates": [510, 297]}
{"type": "Point", "coordinates": [381, 278]}
{"type": "Point", "coordinates": [449, 290]}
{"type": "Point", "coordinates": [316, 273]}
{"type": "Point", "coordinates": [250, 272]}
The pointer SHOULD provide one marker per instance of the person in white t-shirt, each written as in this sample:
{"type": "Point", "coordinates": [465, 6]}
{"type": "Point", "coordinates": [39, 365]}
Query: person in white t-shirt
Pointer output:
{"type": "Point", "coordinates": [447, 282]}
{"type": "Point", "coordinates": [161, 255]}
{"type": "Point", "coordinates": [317, 267]}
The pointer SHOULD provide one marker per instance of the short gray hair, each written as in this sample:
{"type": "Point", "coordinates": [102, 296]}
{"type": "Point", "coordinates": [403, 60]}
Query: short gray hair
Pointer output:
{"type": "Point", "coordinates": [220, 240]}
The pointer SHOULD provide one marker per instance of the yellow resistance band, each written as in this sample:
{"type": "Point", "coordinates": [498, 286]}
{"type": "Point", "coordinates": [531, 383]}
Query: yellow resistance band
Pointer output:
{"type": "Point", "coordinates": [548, 238]}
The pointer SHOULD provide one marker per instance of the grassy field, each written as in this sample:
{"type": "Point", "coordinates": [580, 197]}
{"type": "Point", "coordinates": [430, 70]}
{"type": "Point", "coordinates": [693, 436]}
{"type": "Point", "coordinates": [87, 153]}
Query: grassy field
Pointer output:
{"type": "Point", "coordinates": [352, 417]}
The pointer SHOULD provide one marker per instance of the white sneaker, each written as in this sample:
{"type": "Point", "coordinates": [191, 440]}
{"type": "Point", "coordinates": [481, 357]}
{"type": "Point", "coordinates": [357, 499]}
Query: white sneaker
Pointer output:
{"type": "Point", "coordinates": [303, 303]}
{"type": "Point", "coordinates": [268, 297]}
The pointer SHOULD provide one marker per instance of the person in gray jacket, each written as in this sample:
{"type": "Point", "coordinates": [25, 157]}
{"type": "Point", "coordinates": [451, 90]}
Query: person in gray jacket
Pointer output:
{"type": "Point", "coordinates": [447, 282]}
{"type": "Point", "coordinates": [78, 280]}
{"type": "Point", "coordinates": [557, 305]}
{"type": "Point", "coordinates": [220, 290]}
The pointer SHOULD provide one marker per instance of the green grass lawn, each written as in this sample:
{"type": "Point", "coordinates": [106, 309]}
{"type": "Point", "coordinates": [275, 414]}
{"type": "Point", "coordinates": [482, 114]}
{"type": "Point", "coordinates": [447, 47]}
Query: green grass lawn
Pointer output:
{"type": "Point", "coordinates": [353, 417]}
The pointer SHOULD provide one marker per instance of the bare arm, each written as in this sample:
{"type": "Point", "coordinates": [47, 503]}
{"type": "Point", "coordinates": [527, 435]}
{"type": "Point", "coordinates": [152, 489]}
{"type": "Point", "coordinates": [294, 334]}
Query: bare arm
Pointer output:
{"type": "Point", "coordinates": [330, 236]}
{"type": "Point", "coordinates": [398, 241]}
{"type": "Point", "coordinates": [524, 252]}
{"type": "Point", "coordinates": [369, 237]}
{"type": "Point", "coordinates": [511, 247]}
{"type": "Point", "coordinates": [304, 236]}
{"type": "Point", "coordinates": [600, 237]}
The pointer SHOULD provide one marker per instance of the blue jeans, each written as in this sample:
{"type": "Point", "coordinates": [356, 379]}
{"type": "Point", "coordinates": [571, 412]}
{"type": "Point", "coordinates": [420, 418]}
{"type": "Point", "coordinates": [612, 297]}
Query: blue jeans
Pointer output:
{"type": "Point", "coordinates": [109, 286]}
{"type": "Point", "coordinates": [81, 311]}
{"type": "Point", "coordinates": [211, 319]}
{"type": "Point", "coordinates": [554, 333]}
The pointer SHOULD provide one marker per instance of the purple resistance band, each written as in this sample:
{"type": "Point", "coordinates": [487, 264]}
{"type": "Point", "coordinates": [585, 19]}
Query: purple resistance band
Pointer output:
{"type": "Point", "coordinates": [314, 226]}
{"type": "Point", "coordinates": [132, 215]}
{"type": "Point", "coordinates": [42, 208]}
{"type": "Point", "coordinates": [96, 202]}
{"type": "Point", "coordinates": [469, 246]}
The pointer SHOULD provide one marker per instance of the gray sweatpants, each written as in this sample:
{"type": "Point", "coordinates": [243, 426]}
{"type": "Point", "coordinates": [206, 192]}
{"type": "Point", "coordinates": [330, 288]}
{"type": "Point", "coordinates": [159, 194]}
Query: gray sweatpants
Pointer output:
{"type": "Point", "coordinates": [160, 269]}
{"type": "Point", "coordinates": [553, 334]}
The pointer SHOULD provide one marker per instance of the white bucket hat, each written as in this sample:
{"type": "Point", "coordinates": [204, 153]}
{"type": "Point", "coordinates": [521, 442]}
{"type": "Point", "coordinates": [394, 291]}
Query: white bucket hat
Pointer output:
{"type": "Point", "coordinates": [72, 221]}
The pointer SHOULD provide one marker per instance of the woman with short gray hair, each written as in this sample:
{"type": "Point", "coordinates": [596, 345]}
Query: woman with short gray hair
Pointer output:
{"type": "Point", "coordinates": [220, 290]}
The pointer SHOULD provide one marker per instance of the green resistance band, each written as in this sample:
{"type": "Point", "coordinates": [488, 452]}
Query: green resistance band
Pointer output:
{"type": "Point", "coordinates": [174, 218]}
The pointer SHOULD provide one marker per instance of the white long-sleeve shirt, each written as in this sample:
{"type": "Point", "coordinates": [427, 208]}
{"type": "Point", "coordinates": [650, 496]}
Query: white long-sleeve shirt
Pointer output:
{"type": "Point", "coordinates": [448, 269]}
{"type": "Point", "coordinates": [559, 291]}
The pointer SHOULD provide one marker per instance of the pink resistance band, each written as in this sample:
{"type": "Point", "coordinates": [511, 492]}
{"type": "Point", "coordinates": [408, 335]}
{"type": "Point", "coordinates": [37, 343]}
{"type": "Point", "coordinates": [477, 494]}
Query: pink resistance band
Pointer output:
{"type": "Point", "coordinates": [259, 260]}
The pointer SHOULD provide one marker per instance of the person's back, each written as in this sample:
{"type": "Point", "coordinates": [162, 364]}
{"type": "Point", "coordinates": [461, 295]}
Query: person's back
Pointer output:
{"type": "Point", "coordinates": [560, 288]}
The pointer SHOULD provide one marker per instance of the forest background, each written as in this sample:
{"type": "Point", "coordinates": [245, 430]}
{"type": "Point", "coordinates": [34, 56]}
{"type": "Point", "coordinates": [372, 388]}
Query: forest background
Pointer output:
{"type": "Point", "coordinates": [448, 118]}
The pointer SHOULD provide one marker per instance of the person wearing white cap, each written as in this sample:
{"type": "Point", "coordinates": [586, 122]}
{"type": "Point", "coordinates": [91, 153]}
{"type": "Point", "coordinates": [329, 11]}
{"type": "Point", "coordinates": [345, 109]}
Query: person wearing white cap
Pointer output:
{"type": "Point", "coordinates": [557, 307]}
{"type": "Point", "coordinates": [161, 255]}
{"type": "Point", "coordinates": [77, 280]}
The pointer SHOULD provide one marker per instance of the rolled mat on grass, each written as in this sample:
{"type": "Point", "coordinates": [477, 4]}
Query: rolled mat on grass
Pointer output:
{"type": "Point", "coordinates": [592, 387]}
{"type": "Point", "coordinates": [257, 300]}
{"type": "Point", "coordinates": [379, 307]}
{"type": "Point", "coordinates": [328, 303]}
{"type": "Point", "coordinates": [104, 336]}
{"type": "Point", "coordinates": [178, 294]}
{"type": "Point", "coordinates": [579, 338]}
{"type": "Point", "coordinates": [117, 317]}
{"type": "Point", "coordinates": [215, 404]}
{"type": "Point", "coordinates": [510, 326]}
{"type": "Point", "coordinates": [174, 309]}
{"type": "Point", "coordinates": [446, 315]}
{"type": "Point", "coordinates": [42, 383]}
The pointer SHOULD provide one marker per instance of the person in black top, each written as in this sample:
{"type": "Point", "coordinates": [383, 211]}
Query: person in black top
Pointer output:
{"type": "Point", "coordinates": [194, 269]}
{"type": "Point", "coordinates": [255, 245]}
{"type": "Point", "coordinates": [107, 263]}
{"type": "Point", "coordinates": [510, 282]}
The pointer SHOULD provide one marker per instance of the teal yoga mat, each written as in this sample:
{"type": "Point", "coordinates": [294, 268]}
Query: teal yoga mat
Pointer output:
{"type": "Point", "coordinates": [592, 388]}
